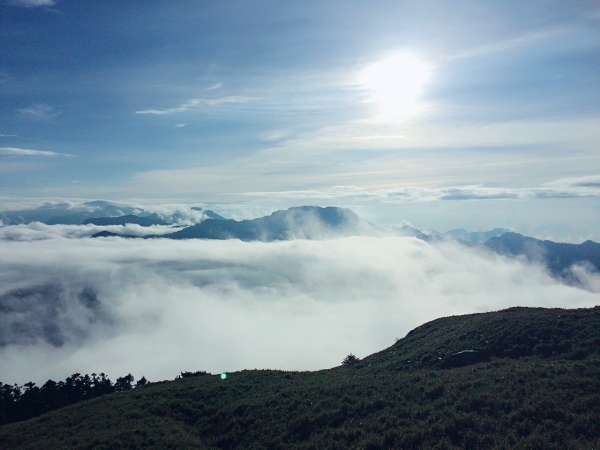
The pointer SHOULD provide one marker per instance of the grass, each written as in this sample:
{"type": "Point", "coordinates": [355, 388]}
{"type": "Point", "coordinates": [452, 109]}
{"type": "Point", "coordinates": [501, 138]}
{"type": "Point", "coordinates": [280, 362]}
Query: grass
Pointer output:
{"type": "Point", "coordinates": [533, 384]}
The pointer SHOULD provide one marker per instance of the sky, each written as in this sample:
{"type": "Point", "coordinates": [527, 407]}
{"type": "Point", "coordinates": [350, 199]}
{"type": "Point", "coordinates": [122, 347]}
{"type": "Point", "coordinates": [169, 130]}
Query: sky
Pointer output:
{"type": "Point", "coordinates": [445, 114]}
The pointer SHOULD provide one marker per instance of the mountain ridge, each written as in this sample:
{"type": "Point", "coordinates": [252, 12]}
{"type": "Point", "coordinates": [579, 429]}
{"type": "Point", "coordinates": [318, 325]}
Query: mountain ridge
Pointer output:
{"type": "Point", "coordinates": [66, 213]}
{"type": "Point", "coordinates": [302, 222]}
{"type": "Point", "coordinates": [145, 221]}
{"type": "Point", "coordinates": [475, 236]}
{"type": "Point", "coordinates": [557, 256]}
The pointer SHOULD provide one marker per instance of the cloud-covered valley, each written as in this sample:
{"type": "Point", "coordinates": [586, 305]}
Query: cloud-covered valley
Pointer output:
{"type": "Point", "coordinates": [157, 307]}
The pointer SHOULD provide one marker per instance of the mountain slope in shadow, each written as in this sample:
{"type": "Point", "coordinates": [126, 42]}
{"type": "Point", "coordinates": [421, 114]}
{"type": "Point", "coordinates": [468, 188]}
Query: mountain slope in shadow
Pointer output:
{"type": "Point", "coordinates": [558, 257]}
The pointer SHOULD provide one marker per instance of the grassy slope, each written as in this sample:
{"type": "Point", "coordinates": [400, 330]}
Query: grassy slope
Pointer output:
{"type": "Point", "coordinates": [537, 385]}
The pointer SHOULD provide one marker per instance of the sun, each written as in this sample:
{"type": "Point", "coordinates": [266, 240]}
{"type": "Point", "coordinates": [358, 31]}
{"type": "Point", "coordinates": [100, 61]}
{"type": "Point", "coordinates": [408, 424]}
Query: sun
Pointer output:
{"type": "Point", "coordinates": [396, 83]}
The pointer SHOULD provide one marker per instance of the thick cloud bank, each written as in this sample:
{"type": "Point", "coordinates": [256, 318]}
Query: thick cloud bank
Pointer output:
{"type": "Point", "coordinates": [157, 307]}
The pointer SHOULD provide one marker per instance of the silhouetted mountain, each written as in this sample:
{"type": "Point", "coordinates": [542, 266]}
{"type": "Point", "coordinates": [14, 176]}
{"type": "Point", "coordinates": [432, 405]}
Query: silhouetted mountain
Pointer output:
{"type": "Point", "coordinates": [475, 236]}
{"type": "Point", "coordinates": [304, 222]}
{"type": "Point", "coordinates": [66, 213]}
{"type": "Point", "coordinates": [557, 256]}
{"type": "Point", "coordinates": [520, 378]}
{"type": "Point", "coordinates": [146, 221]}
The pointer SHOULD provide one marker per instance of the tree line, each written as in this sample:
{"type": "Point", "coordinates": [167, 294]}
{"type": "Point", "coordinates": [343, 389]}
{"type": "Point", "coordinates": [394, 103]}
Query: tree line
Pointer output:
{"type": "Point", "coordinates": [19, 403]}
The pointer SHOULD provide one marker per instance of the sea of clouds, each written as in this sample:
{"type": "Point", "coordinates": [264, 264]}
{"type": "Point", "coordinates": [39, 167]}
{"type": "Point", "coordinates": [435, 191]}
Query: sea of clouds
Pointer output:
{"type": "Point", "coordinates": [157, 307]}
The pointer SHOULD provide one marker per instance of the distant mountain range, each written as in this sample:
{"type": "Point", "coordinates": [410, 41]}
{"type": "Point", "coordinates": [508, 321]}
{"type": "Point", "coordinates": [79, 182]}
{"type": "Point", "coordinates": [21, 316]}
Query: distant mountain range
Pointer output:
{"type": "Point", "coordinates": [460, 234]}
{"type": "Point", "coordinates": [557, 256]}
{"type": "Point", "coordinates": [476, 236]}
{"type": "Point", "coordinates": [304, 222]}
{"type": "Point", "coordinates": [101, 212]}
{"type": "Point", "coordinates": [66, 213]}
{"type": "Point", "coordinates": [144, 221]}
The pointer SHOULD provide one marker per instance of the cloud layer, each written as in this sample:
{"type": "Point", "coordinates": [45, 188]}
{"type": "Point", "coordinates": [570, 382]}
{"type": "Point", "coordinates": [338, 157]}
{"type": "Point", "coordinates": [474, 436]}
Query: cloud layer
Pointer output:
{"type": "Point", "coordinates": [156, 307]}
{"type": "Point", "coordinates": [13, 151]}
{"type": "Point", "coordinates": [33, 3]}
{"type": "Point", "coordinates": [564, 188]}
{"type": "Point", "coordinates": [39, 110]}
{"type": "Point", "coordinates": [197, 102]}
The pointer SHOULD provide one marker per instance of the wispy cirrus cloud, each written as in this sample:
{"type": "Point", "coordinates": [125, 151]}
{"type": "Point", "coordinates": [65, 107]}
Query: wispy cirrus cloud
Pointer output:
{"type": "Point", "coordinates": [13, 151]}
{"type": "Point", "coordinates": [39, 111]}
{"type": "Point", "coordinates": [215, 86]}
{"type": "Point", "coordinates": [564, 188]}
{"type": "Point", "coordinates": [33, 3]}
{"type": "Point", "coordinates": [198, 102]}
{"type": "Point", "coordinates": [524, 40]}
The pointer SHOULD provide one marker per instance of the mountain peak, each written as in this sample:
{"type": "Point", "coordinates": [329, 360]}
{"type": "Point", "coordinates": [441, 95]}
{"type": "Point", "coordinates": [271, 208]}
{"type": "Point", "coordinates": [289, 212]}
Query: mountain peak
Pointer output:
{"type": "Point", "coordinates": [300, 222]}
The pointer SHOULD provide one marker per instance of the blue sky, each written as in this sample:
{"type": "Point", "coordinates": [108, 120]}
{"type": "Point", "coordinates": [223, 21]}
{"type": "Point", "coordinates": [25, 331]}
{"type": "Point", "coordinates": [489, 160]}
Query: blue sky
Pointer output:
{"type": "Point", "coordinates": [253, 106]}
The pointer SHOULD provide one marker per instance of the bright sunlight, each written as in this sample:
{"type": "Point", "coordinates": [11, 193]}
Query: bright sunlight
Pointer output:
{"type": "Point", "coordinates": [396, 83]}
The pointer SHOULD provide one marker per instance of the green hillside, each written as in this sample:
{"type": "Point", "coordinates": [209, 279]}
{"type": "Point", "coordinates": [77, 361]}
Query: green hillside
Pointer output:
{"type": "Point", "coordinates": [520, 378]}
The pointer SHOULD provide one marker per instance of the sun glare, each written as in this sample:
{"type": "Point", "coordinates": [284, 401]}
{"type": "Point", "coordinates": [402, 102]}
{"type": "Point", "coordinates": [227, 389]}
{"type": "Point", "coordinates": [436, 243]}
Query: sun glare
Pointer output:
{"type": "Point", "coordinates": [396, 83]}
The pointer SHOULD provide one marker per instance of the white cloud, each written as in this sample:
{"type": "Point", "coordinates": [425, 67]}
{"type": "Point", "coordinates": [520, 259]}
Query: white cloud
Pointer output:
{"type": "Point", "coordinates": [162, 306]}
{"type": "Point", "coordinates": [215, 86]}
{"type": "Point", "coordinates": [8, 135]}
{"type": "Point", "coordinates": [198, 102]}
{"type": "Point", "coordinates": [564, 188]}
{"type": "Point", "coordinates": [13, 151]}
{"type": "Point", "coordinates": [38, 111]}
{"type": "Point", "coordinates": [508, 44]}
{"type": "Point", "coordinates": [372, 155]}
{"type": "Point", "coordinates": [276, 136]}
{"type": "Point", "coordinates": [33, 3]}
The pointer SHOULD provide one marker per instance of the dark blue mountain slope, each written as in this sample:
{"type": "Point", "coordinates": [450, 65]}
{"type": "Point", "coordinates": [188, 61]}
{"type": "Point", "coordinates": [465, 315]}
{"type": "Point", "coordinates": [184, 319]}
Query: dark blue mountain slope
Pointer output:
{"type": "Point", "coordinates": [557, 256]}
{"type": "Point", "coordinates": [304, 222]}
